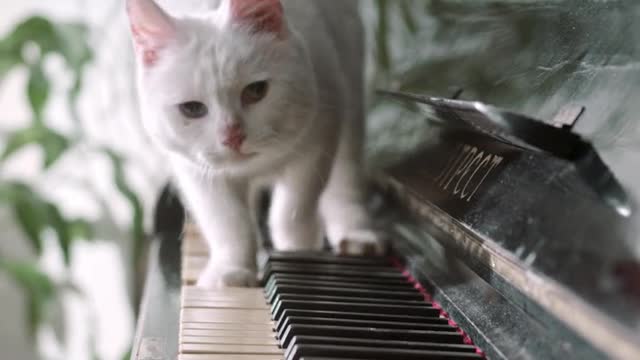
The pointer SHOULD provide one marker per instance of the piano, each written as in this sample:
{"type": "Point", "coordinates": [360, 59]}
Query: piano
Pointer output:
{"type": "Point", "coordinates": [514, 219]}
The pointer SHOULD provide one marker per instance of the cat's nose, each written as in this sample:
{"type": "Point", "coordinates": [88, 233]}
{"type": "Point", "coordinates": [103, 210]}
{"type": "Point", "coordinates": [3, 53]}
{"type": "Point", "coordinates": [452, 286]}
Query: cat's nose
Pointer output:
{"type": "Point", "coordinates": [234, 137]}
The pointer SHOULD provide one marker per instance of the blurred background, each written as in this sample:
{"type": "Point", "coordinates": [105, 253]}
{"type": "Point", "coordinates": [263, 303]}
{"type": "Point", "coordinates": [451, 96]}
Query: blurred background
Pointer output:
{"type": "Point", "coordinates": [78, 179]}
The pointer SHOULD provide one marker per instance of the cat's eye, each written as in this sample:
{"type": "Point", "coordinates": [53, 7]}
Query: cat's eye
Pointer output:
{"type": "Point", "coordinates": [254, 92]}
{"type": "Point", "coordinates": [193, 109]}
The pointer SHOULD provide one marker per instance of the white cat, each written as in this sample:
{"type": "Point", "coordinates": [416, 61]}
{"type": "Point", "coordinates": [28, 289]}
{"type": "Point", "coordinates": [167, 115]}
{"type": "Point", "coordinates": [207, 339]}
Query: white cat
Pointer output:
{"type": "Point", "coordinates": [243, 93]}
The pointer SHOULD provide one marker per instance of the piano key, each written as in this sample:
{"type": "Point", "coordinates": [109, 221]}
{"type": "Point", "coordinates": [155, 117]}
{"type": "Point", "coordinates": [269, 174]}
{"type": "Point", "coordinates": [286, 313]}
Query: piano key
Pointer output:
{"type": "Point", "coordinates": [396, 344]}
{"type": "Point", "coordinates": [345, 299]}
{"type": "Point", "coordinates": [195, 248]}
{"type": "Point", "coordinates": [253, 299]}
{"type": "Point", "coordinates": [337, 281]}
{"type": "Point", "coordinates": [326, 258]}
{"type": "Point", "coordinates": [226, 316]}
{"type": "Point", "coordinates": [331, 265]}
{"type": "Point", "coordinates": [358, 316]}
{"type": "Point", "coordinates": [425, 310]}
{"type": "Point", "coordinates": [218, 326]}
{"type": "Point", "coordinates": [192, 291]}
{"type": "Point", "coordinates": [333, 270]}
{"type": "Point", "coordinates": [362, 324]}
{"type": "Point", "coordinates": [258, 332]}
{"type": "Point", "coordinates": [228, 357]}
{"type": "Point", "coordinates": [351, 352]}
{"type": "Point", "coordinates": [222, 305]}
{"type": "Point", "coordinates": [229, 340]}
{"type": "Point", "coordinates": [369, 333]}
{"type": "Point", "coordinates": [331, 291]}
{"type": "Point", "coordinates": [229, 349]}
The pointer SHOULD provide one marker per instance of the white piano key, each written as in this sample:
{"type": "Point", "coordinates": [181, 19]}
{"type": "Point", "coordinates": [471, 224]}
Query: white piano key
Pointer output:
{"type": "Point", "coordinates": [228, 357]}
{"type": "Point", "coordinates": [231, 291]}
{"type": "Point", "coordinates": [264, 332]}
{"type": "Point", "coordinates": [221, 305]}
{"type": "Point", "coordinates": [226, 316]}
{"type": "Point", "coordinates": [229, 349]}
{"type": "Point", "coordinates": [229, 340]}
{"type": "Point", "coordinates": [219, 326]}
{"type": "Point", "coordinates": [229, 324]}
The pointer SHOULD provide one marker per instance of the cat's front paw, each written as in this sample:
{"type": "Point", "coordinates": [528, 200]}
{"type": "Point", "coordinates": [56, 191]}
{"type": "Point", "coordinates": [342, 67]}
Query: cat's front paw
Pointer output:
{"type": "Point", "coordinates": [359, 243]}
{"type": "Point", "coordinates": [216, 277]}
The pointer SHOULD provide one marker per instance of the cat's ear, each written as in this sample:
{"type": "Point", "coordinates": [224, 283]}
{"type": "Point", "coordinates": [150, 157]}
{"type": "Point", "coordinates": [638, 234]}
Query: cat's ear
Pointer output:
{"type": "Point", "coordinates": [152, 29]}
{"type": "Point", "coordinates": [263, 16]}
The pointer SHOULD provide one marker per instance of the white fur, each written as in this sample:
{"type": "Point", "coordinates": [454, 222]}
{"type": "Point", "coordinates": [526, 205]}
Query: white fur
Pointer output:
{"type": "Point", "coordinates": [307, 132]}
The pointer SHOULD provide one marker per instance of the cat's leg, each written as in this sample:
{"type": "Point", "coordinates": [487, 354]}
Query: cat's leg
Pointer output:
{"type": "Point", "coordinates": [348, 224]}
{"type": "Point", "coordinates": [293, 218]}
{"type": "Point", "coordinates": [219, 207]}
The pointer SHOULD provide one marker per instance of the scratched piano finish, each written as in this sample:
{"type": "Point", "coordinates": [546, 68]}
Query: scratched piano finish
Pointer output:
{"type": "Point", "coordinates": [534, 58]}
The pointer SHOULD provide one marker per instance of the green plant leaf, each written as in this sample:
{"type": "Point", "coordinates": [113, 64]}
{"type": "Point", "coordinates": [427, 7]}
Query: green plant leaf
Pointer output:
{"type": "Point", "coordinates": [27, 209]}
{"type": "Point", "coordinates": [38, 287]}
{"type": "Point", "coordinates": [9, 59]}
{"type": "Point", "coordinates": [62, 228]}
{"type": "Point", "coordinates": [74, 45]}
{"type": "Point", "coordinates": [34, 214]}
{"type": "Point", "coordinates": [68, 39]}
{"type": "Point", "coordinates": [20, 139]}
{"type": "Point", "coordinates": [38, 90]}
{"type": "Point", "coordinates": [81, 229]}
{"type": "Point", "coordinates": [54, 146]}
{"type": "Point", "coordinates": [52, 143]}
{"type": "Point", "coordinates": [32, 219]}
{"type": "Point", "coordinates": [36, 30]}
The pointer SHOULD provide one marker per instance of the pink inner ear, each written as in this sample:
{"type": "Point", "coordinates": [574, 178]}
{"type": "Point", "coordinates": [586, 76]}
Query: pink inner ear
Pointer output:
{"type": "Point", "coordinates": [152, 29]}
{"type": "Point", "coordinates": [261, 15]}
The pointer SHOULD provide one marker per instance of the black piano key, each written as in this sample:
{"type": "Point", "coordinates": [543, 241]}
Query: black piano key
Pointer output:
{"type": "Point", "coordinates": [272, 289]}
{"type": "Point", "coordinates": [395, 344]}
{"type": "Point", "coordinates": [383, 268]}
{"type": "Point", "coordinates": [333, 270]}
{"type": "Point", "coordinates": [362, 324]}
{"type": "Point", "coordinates": [323, 358]}
{"type": "Point", "coordinates": [351, 352]}
{"type": "Point", "coordinates": [345, 299]}
{"type": "Point", "coordinates": [326, 258]}
{"type": "Point", "coordinates": [331, 291]}
{"type": "Point", "coordinates": [358, 316]}
{"type": "Point", "coordinates": [379, 291]}
{"type": "Point", "coordinates": [334, 281]}
{"type": "Point", "coordinates": [425, 310]}
{"type": "Point", "coordinates": [371, 334]}
{"type": "Point", "coordinates": [325, 277]}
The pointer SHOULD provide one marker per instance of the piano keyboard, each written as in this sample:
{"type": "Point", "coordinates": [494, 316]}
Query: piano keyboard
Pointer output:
{"type": "Point", "coordinates": [312, 307]}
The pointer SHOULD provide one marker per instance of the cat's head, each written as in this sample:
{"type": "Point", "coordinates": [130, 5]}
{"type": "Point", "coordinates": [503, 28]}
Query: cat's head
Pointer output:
{"type": "Point", "coordinates": [225, 89]}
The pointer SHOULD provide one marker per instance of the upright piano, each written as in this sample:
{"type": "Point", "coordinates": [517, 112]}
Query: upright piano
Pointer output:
{"type": "Point", "coordinates": [513, 218]}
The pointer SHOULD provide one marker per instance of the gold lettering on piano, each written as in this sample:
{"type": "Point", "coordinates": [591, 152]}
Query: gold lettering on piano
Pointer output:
{"type": "Point", "coordinates": [466, 170]}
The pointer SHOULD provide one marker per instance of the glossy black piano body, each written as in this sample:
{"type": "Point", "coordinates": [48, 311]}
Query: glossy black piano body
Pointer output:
{"type": "Point", "coordinates": [533, 252]}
